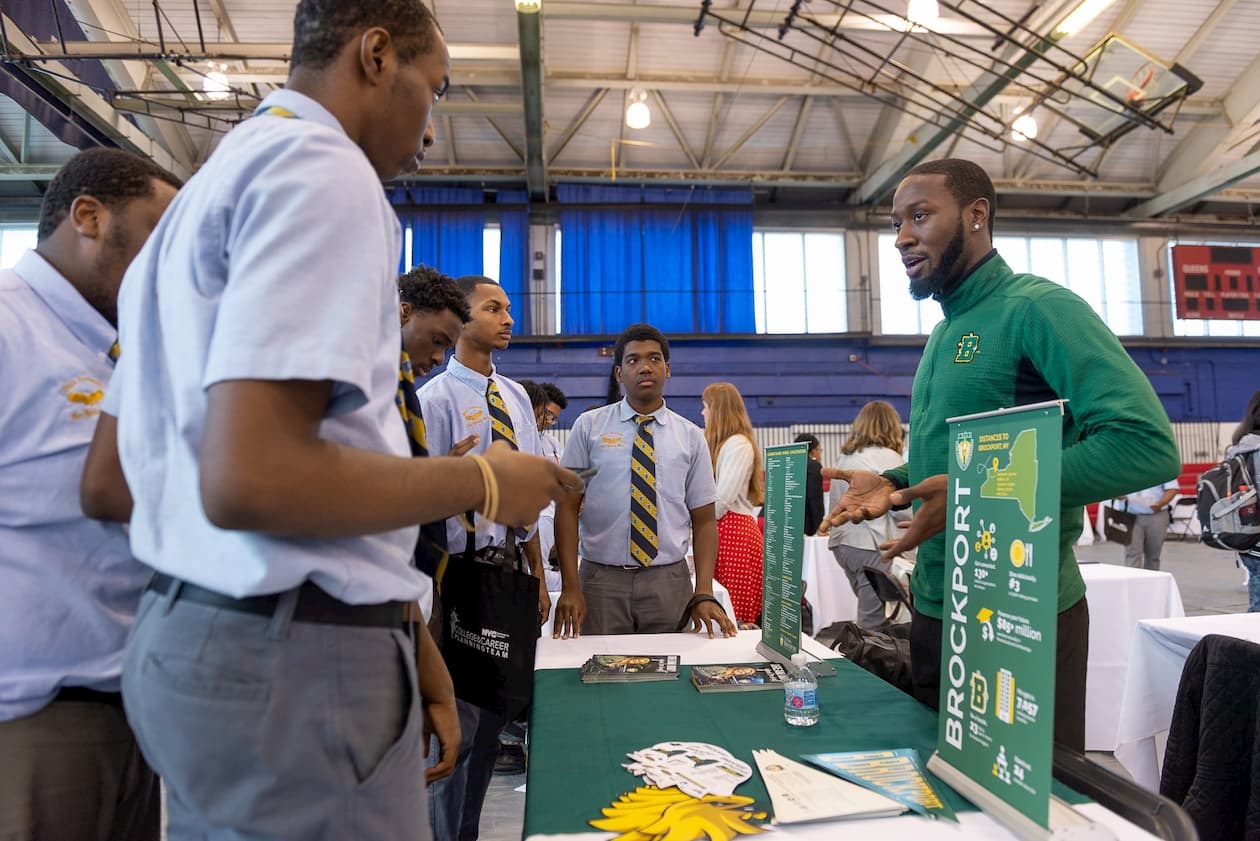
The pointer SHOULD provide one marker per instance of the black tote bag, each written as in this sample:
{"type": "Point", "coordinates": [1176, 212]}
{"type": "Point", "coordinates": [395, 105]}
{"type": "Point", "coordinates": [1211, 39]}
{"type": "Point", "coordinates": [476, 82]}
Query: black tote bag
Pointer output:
{"type": "Point", "coordinates": [489, 634]}
{"type": "Point", "coordinates": [1118, 525]}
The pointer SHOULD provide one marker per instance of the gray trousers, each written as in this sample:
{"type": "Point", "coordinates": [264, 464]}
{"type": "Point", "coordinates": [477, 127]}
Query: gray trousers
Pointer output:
{"type": "Point", "coordinates": [265, 728]}
{"type": "Point", "coordinates": [1147, 541]}
{"type": "Point", "coordinates": [73, 771]}
{"type": "Point", "coordinates": [870, 607]}
{"type": "Point", "coordinates": [649, 600]}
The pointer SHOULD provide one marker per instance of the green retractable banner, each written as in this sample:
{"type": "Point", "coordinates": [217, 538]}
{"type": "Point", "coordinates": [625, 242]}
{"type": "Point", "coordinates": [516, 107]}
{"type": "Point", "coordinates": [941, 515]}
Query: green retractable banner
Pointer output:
{"type": "Point", "coordinates": [1001, 585]}
{"type": "Point", "coordinates": [784, 512]}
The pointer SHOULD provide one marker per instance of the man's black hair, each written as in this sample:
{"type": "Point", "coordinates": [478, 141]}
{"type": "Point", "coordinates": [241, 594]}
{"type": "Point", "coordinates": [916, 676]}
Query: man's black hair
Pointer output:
{"type": "Point", "coordinates": [426, 288]}
{"type": "Point", "coordinates": [321, 28]}
{"type": "Point", "coordinates": [111, 176]}
{"type": "Point", "coordinates": [967, 182]}
{"type": "Point", "coordinates": [537, 395]}
{"type": "Point", "coordinates": [807, 438]}
{"type": "Point", "coordinates": [555, 395]}
{"type": "Point", "coordinates": [633, 333]}
{"type": "Point", "coordinates": [468, 283]}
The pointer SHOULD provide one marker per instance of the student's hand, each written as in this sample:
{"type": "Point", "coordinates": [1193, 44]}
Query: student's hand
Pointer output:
{"type": "Point", "coordinates": [441, 719]}
{"type": "Point", "coordinates": [706, 614]}
{"type": "Point", "coordinates": [526, 483]}
{"type": "Point", "coordinates": [928, 521]}
{"type": "Point", "coordinates": [570, 613]}
{"type": "Point", "coordinates": [544, 602]}
{"type": "Point", "coordinates": [462, 447]}
{"type": "Point", "coordinates": [868, 497]}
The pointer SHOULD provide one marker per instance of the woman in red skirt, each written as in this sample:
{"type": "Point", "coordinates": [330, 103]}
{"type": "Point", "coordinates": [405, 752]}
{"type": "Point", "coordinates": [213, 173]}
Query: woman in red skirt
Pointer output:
{"type": "Point", "coordinates": [741, 488]}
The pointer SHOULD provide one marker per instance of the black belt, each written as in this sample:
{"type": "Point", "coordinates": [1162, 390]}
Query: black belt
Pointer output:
{"type": "Point", "coordinates": [640, 567]}
{"type": "Point", "coordinates": [94, 696]}
{"type": "Point", "coordinates": [313, 605]}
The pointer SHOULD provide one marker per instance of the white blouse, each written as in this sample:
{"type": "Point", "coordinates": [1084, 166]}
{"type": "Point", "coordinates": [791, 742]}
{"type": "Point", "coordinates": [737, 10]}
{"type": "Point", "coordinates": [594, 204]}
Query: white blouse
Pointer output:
{"type": "Point", "coordinates": [733, 471]}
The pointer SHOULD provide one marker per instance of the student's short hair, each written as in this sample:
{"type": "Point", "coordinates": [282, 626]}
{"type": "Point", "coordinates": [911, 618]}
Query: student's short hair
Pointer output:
{"type": "Point", "coordinates": [426, 288]}
{"type": "Point", "coordinates": [639, 333]}
{"type": "Point", "coordinates": [967, 182]}
{"type": "Point", "coordinates": [321, 28]}
{"type": "Point", "coordinates": [877, 425]}
{"type": "Point", "coordinates": [807, 438]}
{"type": "Point", "coordinates": [111, 176]}
{"type": "Point", "coordinates": [468, 283]}
{"type": "Point", "coordinates": [555, 395]}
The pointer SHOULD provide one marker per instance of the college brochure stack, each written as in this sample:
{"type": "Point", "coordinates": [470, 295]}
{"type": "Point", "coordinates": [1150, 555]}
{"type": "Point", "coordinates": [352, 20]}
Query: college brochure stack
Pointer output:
{"type": "Point", "coordinates": [738, 677]}
{"type": "Point", "coordinates": [630, 668]}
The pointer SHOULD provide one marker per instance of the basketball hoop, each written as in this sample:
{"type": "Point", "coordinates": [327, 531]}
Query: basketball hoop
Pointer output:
{"type": "Point", "coordinates": [1138, 83]}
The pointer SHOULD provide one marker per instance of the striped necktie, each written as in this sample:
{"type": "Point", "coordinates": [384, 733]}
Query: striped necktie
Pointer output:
{"type": "Point", "coordinates": [643, 539]}
{"type": "Point", "coordinates": [500, 421]}
{"type": "Point", "coordinates": [430, 556]}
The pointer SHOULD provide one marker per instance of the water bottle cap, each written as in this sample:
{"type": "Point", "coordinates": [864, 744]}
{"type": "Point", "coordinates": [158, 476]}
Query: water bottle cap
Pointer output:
{"type": "Point", "coordinates": [798, 659]}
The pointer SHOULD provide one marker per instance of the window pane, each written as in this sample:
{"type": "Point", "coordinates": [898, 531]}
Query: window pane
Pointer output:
{"type": "Point", "coordinates": [15, 241]}
{"type": "Point", "coordinates": [824, 283]}
{"type": "Point", "coordinates": [1046, 258]}
{"type": "Point", "coordinates": [1014, 251]}
{"type": "Point", "coordinates": [785, 283]}
{"type": "Point", "coordinates": [899, 313]}
{"type": "Point", "coordinates": [759, 281]}
{"type": "Point", "coordinates": [1122, 288]}
{"type": "Point", "coordinates": [1086, 269]}
{"type": "Point", "coordinates": [491, 240]}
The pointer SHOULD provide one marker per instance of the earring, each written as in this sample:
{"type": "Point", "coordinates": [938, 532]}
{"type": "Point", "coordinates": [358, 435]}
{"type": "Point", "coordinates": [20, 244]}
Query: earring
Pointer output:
{"type": "Point", "coordinates": [975, 227]}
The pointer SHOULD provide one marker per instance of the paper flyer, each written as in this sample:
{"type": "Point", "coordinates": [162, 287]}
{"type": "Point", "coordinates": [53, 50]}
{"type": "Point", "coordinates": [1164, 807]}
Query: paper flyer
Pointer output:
{"type": "Point", "coordinates": [696, 768]}
{"type": "Point", "coordinates": [899, 774]}
{"type": "Point", "coordinates": [800, 794]}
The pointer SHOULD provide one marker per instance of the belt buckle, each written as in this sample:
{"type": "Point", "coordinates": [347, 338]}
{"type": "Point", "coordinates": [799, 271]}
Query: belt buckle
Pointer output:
{"type": "Point", "coordinates": [632, 566]}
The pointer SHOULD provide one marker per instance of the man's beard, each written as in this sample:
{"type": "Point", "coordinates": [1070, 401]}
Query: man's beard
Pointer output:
{"type": "Point", "coordinates": [946, 271]}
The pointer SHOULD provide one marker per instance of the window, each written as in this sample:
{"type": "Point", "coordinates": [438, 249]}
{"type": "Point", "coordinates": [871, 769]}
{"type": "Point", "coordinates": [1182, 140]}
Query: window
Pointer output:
{"type": "Point", "coordinates": [1206, 326]}
{"type": "Point", "coordinates": [15, 240]}
{"type": "Point", "coordinates": [491, 240]}
{"type": "Point", "coordinates": [799, 282]}
{"type": "Point", "coordinates": [899, 314]}
{"type": "Point", "coordinates": [1102, 271]}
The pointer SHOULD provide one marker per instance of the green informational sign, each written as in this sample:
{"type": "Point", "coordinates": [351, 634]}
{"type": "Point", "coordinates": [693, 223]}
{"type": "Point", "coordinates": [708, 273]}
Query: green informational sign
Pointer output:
{"type": "Point", "coordinates": [1001, 584]}
{"type": "Point", "coordinates": [784, 511]}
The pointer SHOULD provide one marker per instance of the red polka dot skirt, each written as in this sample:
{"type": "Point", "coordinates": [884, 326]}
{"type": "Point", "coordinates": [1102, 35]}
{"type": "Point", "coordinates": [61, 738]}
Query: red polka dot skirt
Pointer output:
{"type": "Point", "coordinates": [740, 551]}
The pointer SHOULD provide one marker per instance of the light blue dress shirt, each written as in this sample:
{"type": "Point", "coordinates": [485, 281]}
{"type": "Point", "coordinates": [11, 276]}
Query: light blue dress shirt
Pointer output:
{"type": "Point", "coordinates": [1143, 501]}
{"type": "Point", "coordinates": [277, 261]}
{"type": "Point", "coordinates": [603, 438]}
{"type": "Point", "coordinates": [453, 404]}
{"type": "Point", "coordinates": [68, 585]}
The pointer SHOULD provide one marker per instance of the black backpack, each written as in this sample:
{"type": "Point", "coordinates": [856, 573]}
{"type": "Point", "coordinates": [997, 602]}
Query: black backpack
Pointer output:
{"type": "Point", "coordinates": [1226, 497]}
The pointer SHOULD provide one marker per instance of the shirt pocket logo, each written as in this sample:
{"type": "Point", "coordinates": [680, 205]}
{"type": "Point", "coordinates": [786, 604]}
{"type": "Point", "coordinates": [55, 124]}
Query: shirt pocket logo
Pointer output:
{"type": "Point", "coordinates": [83, 395]}
{"type": "Point", "coordinates": [611, 439]}
{"type": "Point", "coordinates": [474, 414]}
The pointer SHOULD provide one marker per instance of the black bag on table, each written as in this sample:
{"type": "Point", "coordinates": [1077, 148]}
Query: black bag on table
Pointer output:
{"type": "Point", "coordinates": [1118, 525]}
{"type": "Point", "coordinates": [490, 630]}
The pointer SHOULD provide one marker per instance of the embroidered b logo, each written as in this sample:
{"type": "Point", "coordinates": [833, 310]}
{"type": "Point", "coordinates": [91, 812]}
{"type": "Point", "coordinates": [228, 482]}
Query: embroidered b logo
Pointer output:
{"type": "Point", "coordinates": [968, 347]}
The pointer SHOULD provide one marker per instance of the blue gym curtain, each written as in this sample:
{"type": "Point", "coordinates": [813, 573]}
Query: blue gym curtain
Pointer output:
{"type": "Point", "coordinates": [446, 227]}
{"type": "Point", "coordinates": [514, 263]}
{"type": "Point", "coordinates": [680, 259]}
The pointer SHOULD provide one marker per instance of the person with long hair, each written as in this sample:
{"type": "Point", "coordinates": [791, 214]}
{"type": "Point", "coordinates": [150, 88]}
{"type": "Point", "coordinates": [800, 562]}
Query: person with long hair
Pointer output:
{"type": "Point", "coordinates": [1246, 437]}
{"type": "Point", "coordinates": [875, 444]}
{"type": "Point", "coordinates": [740, 489]}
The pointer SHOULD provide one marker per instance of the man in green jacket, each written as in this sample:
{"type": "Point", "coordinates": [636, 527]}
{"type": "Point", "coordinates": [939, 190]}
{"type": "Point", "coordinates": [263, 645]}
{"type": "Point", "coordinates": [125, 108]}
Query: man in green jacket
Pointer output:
{"type": "Point", "coordinates": [1006, 340]}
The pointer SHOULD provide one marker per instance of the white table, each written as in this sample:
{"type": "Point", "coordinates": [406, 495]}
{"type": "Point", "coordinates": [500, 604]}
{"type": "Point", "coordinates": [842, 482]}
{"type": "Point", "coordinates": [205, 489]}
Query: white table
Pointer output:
{"type": "Point", "coordinates": [1119, 597]}
{"type": "Point", "coordinates": [828, 587]}
{"type": "Point", "coordinates": [719, 592]}
{"type": "Point", "coordinates": [696, 649]}
{"type": "Point", "coordinates": [1160, 648]}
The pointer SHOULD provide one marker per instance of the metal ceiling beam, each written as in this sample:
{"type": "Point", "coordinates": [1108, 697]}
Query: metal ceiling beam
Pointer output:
{"type": "Point", "coordinates": [592, 103]}
{"type": "Point", "coordinates": [1015, 59]}
{"type": "Point", "coordinates": [529, 31]}
{"type": "Point", "coordinates": [90, 105]}
{"type": "Point", "coordinates": [673, 127]}
{"type": "Point", "coordinates": [798, 129]}
{"type": "Point", "coordinates": [1199, 188]}
{"type": "Point", "coordinates": [750, 131]}
{"type": "Point", "coordinates": [240, 51]}
{"type": "Point", "coordinates": [760, 18]}
{"type": "Point", "coordinates": [28, 172]}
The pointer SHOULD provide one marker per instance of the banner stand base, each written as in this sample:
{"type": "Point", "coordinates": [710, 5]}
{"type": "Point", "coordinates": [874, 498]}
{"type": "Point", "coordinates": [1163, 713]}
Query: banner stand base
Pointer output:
{"type": "Point", "coordinates": [1066, 824]}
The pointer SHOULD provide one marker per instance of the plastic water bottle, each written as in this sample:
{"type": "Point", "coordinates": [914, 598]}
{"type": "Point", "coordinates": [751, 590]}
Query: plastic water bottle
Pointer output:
{"type": "Point", "coordinates": [800, 694]}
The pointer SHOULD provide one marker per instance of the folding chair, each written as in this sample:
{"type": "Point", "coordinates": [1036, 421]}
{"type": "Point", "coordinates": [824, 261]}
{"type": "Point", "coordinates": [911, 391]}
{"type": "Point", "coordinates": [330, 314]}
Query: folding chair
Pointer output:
{"type": "Point", "coordinates": [1185, 518]}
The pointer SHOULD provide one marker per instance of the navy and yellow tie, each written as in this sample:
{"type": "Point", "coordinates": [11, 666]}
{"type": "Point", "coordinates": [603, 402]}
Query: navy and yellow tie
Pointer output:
{"type": "Point", "coordinates": [500, 421]}
{"type": "Point", "coordinates": [430, 556]}
{"type": "Point", "coordinates": [643, 539]}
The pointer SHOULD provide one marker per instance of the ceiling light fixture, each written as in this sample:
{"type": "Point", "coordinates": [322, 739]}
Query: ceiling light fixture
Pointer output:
{"type": "Point", "coordinates": [923, 12]}
{"type": "Point", "coordinates": [529, 7]}
{"type": "Point", "coordinates": [1080, 17]}
{"type": "Point", "coordinates": [1024, 128]}
{"type": "Point", "coordinates": [638, 115]}
{"type": "Point", "coordinates": [215, 84]}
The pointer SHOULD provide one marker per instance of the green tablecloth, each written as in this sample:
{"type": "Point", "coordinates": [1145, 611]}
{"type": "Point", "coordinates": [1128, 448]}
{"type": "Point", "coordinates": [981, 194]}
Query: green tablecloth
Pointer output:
{"type": "Point", "coordinates": [580, 735]}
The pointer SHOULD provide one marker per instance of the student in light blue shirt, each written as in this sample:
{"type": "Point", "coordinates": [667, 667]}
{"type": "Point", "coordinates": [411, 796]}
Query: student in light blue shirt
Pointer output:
{"type": "Point", "coordinates": [456, 407]}
{"type": "Point", "coordinates": [72, 768]}
{"type": "Point", "coordinates": [638, 517]}
{"type": "Point", "coordinates": [269, 678]}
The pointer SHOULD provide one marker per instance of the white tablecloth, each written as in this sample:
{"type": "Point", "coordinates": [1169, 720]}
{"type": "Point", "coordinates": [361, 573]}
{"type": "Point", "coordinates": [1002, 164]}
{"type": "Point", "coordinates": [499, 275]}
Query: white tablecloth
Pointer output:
{"type": "Point", "coordinates": [696, 649]}
{"type": "Point", "coordinates": [1119, 597]}
{"type": "Point", "coordinates": [1160, 648]}
{"type": "Point", "coordinates": [828, 588]}
{"type": "Point", "coordinates": [719, 592]}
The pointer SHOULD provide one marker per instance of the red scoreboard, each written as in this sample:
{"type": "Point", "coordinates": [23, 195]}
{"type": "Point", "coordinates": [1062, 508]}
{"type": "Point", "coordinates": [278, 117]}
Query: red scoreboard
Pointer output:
{"type": "Point", "coordinates": [1217, 281]}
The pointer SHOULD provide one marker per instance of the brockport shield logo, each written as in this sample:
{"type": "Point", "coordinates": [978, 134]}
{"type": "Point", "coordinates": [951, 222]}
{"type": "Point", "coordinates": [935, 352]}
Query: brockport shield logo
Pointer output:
{"type": "Point", "coordinates": [963, 449]}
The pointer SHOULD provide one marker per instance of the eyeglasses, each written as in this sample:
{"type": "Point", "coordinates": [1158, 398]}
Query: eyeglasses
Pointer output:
{"type": "Point", "coordinates": [548, 416]}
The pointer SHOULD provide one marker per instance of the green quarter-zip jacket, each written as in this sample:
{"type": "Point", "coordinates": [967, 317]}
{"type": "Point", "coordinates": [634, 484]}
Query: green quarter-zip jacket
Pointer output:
{"type": "Point", "coordinates": [1012, 339]}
